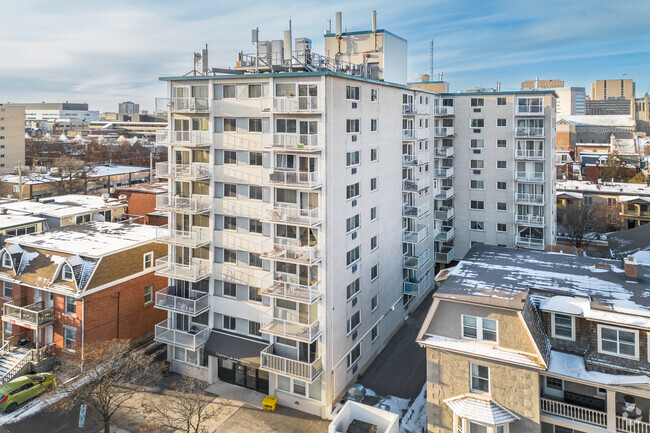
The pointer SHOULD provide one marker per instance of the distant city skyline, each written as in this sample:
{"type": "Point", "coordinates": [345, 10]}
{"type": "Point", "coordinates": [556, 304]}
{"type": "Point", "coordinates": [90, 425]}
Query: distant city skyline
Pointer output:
{"type": "Point", "coordinates": [69, 52]}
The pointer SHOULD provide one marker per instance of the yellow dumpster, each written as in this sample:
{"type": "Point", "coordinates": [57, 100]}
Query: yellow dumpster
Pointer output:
{"type": "Point", "coordinates": [269, 402]}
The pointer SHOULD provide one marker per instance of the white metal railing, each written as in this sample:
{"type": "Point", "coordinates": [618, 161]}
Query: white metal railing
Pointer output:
{"type": "Point", "coordinates": [194, 204]}
{"type": "Point", "coordinates": [194, 271]}
{"type": "Point", "coordinates": [415, 211]}
{"type": "Point", "coordinates": [446, 234]}
{"type": "Point", "coordinates": [294, 291]}
{"type": "Point", "coordinates": [292, 104]}
{"type": "Point", "coordinates": [414, 287]}
{"type": "Point", "coordinates": [415, 185]}
{"type": "Point", "coordinates": [628, 425]}
{"type": "Point", "coordinates": [13, 371]}
{"type": "Point", "coordinates": [416, 262]}
{"type": "Point", "coordinates": [308, 371]}
{"type": "Point", "coordinates": [298, 141]}
{"type": "Point", "coordinates": [530, 219]}
{"type": "Point", "coordinates": [167, 300]}
{"type": "Point", "coordinates": [529, 198]}
{"type": "Point", "coordinates": [192, 339]}
{"type": "Point", "coordinates": [444, 111]}
{"type": "Point", "coordinates": [183, 105]}
{"type": "Point", "coordinates": [309, 179]}
{"type": "Point", "coordinates": [530, 153]}
{"type": "Point", "coordinates": [286, 251]}
{"type": "Point", "coordinates": [194, 237]}
{"type": "Point", "coordinates": [287, 214]}
{"type": "Point", "coordinates": [445, 256]}
{"type": "Point", "coordinates": [287, 323]}
{"type": "Point", "coordinates": [408, 134]}
{"type": "Point", "coordinates": [443, 151]}
{"type": "Point", "coordinates": [414, 160]}
{"type": "Point", "coordinates": [530, 176]}
{"type": "Point", "coordinates": [529, 132]}
{"type": "Point", "coordinates": [445, 131]}
{"type": "Point", "coordinates": [445, 193]}
{"type": "Point", "coordinates": [443, 213]}
{"type": "Point", "coordinates": [529, 109]}
{"type": "Point", "coordinates": [528, 242]}
{"type": "Point", "coordinates": [408, 108]}
{"type": "Point", "coordinates": [422, 108]}
{"type": "Point", "coordinates": [416, 236]}
{"type": "Point", "coordinates": [443, 173]}
{"type": "Point", "coordinates": [421, 133]}
{"type": "Point", "coordinates": [251, 141]}
{"type": "Point", "coordinates": [573, 412]}
{"type": "Point", "coordinates": [193, 171]}
{"type": "Point", "coordinates": [183, 138]}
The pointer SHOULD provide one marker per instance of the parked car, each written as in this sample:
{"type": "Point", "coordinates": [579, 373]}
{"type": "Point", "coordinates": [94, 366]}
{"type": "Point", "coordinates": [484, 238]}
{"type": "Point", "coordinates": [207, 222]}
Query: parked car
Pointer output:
{"type": "Point", "coordinates": [23, 388]}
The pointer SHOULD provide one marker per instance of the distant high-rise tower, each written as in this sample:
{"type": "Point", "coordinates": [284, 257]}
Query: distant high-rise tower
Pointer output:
{"type": "Point", "coordinates": [128, 107]}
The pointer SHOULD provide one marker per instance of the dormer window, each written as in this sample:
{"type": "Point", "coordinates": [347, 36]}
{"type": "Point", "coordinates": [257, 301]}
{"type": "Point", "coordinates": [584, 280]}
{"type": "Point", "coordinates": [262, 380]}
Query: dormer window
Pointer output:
{"type": "Point", "coordinates": [67, 273]}
{"type": "Point", "coordinates": [6, 260]}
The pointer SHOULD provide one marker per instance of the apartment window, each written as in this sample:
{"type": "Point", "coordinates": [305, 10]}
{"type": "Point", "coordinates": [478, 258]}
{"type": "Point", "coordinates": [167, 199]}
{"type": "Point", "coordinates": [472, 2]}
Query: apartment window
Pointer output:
{"type": "Point", "coordinates": [9, 328]}
{"type": "Point", "coordinates": [254, 192]}
{"type": "Point", "coordinates": [285, 126]}
{"type": "Point", "coordinates": [229, 125]}
{"type": "Point", "coordinates": [255, 226]}
{"type": "Point", "coordinates": [352, 191]}
{"type": "Point", "coordinates": [373, 184]}
{"type": "Point", "coordinates": [354, 321]}
{"type": "Point", "coordinates": [502, 206]}
{"type": "Point", "coordinates": [148, 295]}
{"type": "Point", "coordinates": [374, 272]}
{"type": "Point", "coordinates": [501, 185]}
{"type": "Point", "coordinates": [229, 256]}
{"type": "Point", "coordinates": [352, 289]}
{"type": "Point", "coordinates": [228, 91]}
{"type": "Point", "coordinates": [354, 355]}
{"type": "Point", "coordinates": [374, 95]}
{"type": "Point", "coordinates": [254, 90]}
{"type": "Point", "coordinates": [7, 290]}
{"type": "Point", "coordinates": [82, 218]}
{"type": "Point", "coordinates": [374, 333]}
{"type": "Point", "coordinates": [255, 158]}
{"type": "Point", "coordinates": [476, 164]}
{"type": "Point", "coordinates": [148, 261]}
{"type": "Point", "coordinates": [373, 125]}
{"type": "Point", "coordinates": [480, 378]}
{"type": "Point", "coordinates": [554, 383]}
{"type": "Point", "coordinates": [229, 190]}
{"type": "Point", "coordinates": [476, 184]}
{"type": "Point", "coordinates": [352, 93]}
{"type": "Point", "coordinates": [477, 225]}
{"type": "Point", "coordinates": [254, 125]}
{"type": "Point", "coordinates": [352, 158]}
{"type": "Point", "coordinates": [69, 338]}
{"type": "Point", "coordinates": [254, 328]}
{"type": "Point", "coordinates": [563, 326]}
{"type": "Point", "coordinates": [352, 256]}
{"type": "Point", "coordinates": [616, 341]}
{"type": "Point", "coordinates": [229, 157]}
{"type": "Point", "coordinates": [229, 289]}
{"type": "Point", "coordinates": [373, 243]}
{"type": "Point", "coordinates": [6, 260]}
{"type": "Point", "coordinates": [477, 144]}
{"type": "Point", "coordinates": [479, 328]}
{"type": "Point", "coordinates": [501, 122]}
{"type": "Point", "coordinates": [67, 273]}
{"type": "Point", "coordinates": [501, 227]}
{"type": "Point", "coordinates": [352, 223]}
{"type": "Point", "coordinates": [254, 294]}
{"type": "Point", "coordinates": [374, 303]}
{"type": "Point", "coordinates": [70, 306]}
{"type": "Point", "coordinates": [373, 213]}
{"type": "Point", "coordinates": [299, 387]}
{"type": "Point", "coordinates": [477, 102]}
{"type": "Point", "coordinates": [477, 123]}
{"type": "Point", "coordinates": [501, 143]}
{"type": "Point", "coordinates": [477, 204]}
{"type": "Point", "coordinates": [501, 101]}
{"type": "Point", "coordinates": [373, 155]}
{"type": "Point", "coordinates": [352, 126]}
{"type": "Point", "coordinates": [254, 260]}
{"type": "Point", "coordinates": [229, 223]}
{"type": "Point", "coordinates": [229, 323]}
{"type": "Point", "coordinates": [501, 164]}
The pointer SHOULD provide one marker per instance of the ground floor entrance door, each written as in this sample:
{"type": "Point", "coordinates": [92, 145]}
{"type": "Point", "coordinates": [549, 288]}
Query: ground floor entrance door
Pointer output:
{"type": "Point", "coordinates": [242, 375]}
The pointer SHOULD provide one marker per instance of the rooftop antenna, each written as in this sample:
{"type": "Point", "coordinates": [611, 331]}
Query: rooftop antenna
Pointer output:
{"type": "Point", "coordinates": [431, 59]}
{"type": "Point", "coordinates": [255, 38]}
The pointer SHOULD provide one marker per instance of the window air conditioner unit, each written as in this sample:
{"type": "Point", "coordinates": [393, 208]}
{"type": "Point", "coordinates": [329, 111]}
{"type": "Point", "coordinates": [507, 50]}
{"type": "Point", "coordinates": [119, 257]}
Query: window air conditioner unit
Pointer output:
{"type": "Point", "coordinates": [354, 303]}
{"type": "Point", "coordinates": [354, 171]}
{"type": "Point", "coordinates": [354, 138]}
{"type": "Point", "coordinates": [354, 235]}
{"type": "Point", "coordinates": [476, 171]}
{"type": "Point", "coordinates": [354, 203]}
{"type": "Point", "coordinates": [354, 267]}
{"type": "Point", "coordinates": [477, 150]}
{"type": "Point", "coordinates": [477, 110]}
{"type": "Point", "coordinates": [478, 131]}
{"type": "Point", "coordinates": [354, 334]}
{"type": "Point", "coordinates": [354, 105]}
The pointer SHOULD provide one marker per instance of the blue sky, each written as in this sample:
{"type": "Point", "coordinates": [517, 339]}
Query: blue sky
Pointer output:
{"type": "Point", "coordinates": [82, 52]}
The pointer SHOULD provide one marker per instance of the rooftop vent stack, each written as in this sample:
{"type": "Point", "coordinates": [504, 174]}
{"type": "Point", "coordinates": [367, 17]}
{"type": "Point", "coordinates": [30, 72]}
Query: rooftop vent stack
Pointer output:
{"type": "Point", "coordinates": [204, 60]}
{"type": "Point", "coordinates": [536, 83]}
{"type": "Point", "coordinates": [338, 24]}
{"type": "Point", "coordinates": [425, 78]}
{"type": "Point", "coordinates": [440, 77]}
{"type": "Point", "coordinates": [631, 269]}
{"type": "Point", "coordinates": [374, 21]}
{"type": "Point", "coordinates": [498, 86]}
{"type": "Point", "coordinates": [287, 46]}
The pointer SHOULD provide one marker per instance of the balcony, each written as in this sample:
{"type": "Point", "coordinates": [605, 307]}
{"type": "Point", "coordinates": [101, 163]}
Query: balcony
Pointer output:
{"type": "Point", "coordinates": [408, 134]}
{"type": "Point", "coordinates": [192, 205]}
{"type": "Point", "coordinates": [444, 111]}
{"type": "Point", "coordinates": [445, 131]}
{"type": "Point", "coordinates": [190, 172]}
{"type": "Point", "coordinates": [531, 243]}
{"type": "Point", "coordinates": [308, 371]}
{"type": "Point", "coordinates": [166, 299]}
{"type": "Point", "coordinates": [415, 185]}
{"type": "Point", "coordinates": [529, 110]}
{"type": "Point", "coordinates": [445, 256]}
{"type": "Point", "coordinates": [524, 198]}
{"type": "Point", "coordinates": [416, 262]}
{"type": "Point", "coordinates": [192, 339]}
{"type": "Point", "coordinates": [285, 214]}
{"type": "Point", "coordinates": [573, 412]}
{"type": "Point", "coordinates": [529, 132]}
{"type": "Point", "coordinates": [443, 173]}
{"type": "Point", "coordinates": [183, 105]}
{"type": "Point", "coordinates": [415, 237]}
{"type": "Point", "coordinates": [443, 151]}
{"type": "Point", "coordinates": [299, 179]}
{"type": "Point", "coordinates": [287, 323]}
{"type": "Point", "coordinates": [294, 291]}
{"type": "Point", "coordinates": [415, 211]}
{"type": "Point", "coordinates": [444, 213]}
{"type": "Point", "coordinates": [446, 234]}
{"type": "Point", "coordinates": [297, 142]}
{"type": "Point", "coordinates": [196, 270]}
{"type": "Point", "coordinates": [414, 287]}
{"type": "Point", "coordinates": [293, 253]}
{"type": "Point", "coordinates": [530, 220]}
{"type": "Point", "coordinates": [529, 176]}
{"type": "Point", "coordinates": [446, 192]}
{"type": "Point", "coordinates": [410, 160]}
{"type": "Point", "coordinates": [532, 154]}
{"type": "Point", "coordinates": [31, 316]}
{"type": "Point", "coordinates": [167, 137]}
{"type": "Point", "coordinates": [292, 104]}
{"type": "Point", "coordinates": [193, 238]}
{"type": "Point", "coordinates": [408, 108]}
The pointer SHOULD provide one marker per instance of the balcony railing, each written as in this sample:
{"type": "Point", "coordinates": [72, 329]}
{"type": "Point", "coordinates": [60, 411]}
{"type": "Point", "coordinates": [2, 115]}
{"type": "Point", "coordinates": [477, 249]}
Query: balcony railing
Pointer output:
{"type": "Point", "coordinates": [415, 185]}
{"type": "Point", "coordinates": [445, 256]}
{"type": "Point", "coordinates": [183, 105]}
{"type": "Point", "coordinates": [291, 253]}
{"type": "Point", "coordinates": [416, 262]}
{"type": "Point", "coordinates": [529, 198]}
{"type": "Point", "coordinates": [417, 236]}
{"type": "Point", "coordinates": [445, 131]}
{"type": "Point", "coordinates": [415, 160]}
{"type": "Point", "coordinates": [167, 137]}
{"type": "Point", "coordinates": [446, 192]}
{"type": "Point", "coordinates": [443, 173]}
{"type": "Point", "coordinates": [194, 205]}
{"type": "Point", "coordinates": [194, 237]}
{"type": "Point", "coordinates": [193, 171]}
{"type": "Point", "coordinates": [195, 271]}
{"type": "Point", "coordinates": [537, 220]}
{"type": "Point", "coordinates": [529, 154]}
{"type": "Point", "coordinates": [192, 339]}
{"type": "Point", "coordinates": [295, 178]}
{"type": "Point", "coordinates": [408, 134]}
{"type": "Point", "coordinates": [530, 176]}
{"type": "Point", "coordinates": [523, 110]}
{"type": "Point", "coordinates": [408, 108]}
{"type": "Point", "coordinates": [30, 316]}
{"type": "Point", "coordinates": [528, 242]}
{"type": "Point", "coordinates": [628, 425]}
{"type": "Point", "coordinates": [166, 299]}
{"type": "Point", "coordinates": [443, 151]}
{"type": "Point", "coordinates": [308, 142]}
{"type": "Point", "coordinates": [294, 291]}
{"type": "Point", "coordinates": [415, 211]}
{"type": "Point", "coordinates": [446, 234]}
{"type": "Point", "coordinates": [414, 287]}
{"type": "Point", "coordinates": [292, 104]}
{"type": "Point", "coordinates": [308, 371]}
{"type": "Point", "coordinates": [573, 412]}
{"type": "Point", "coordinates": [252, 141]}
{"type": "Point", "coordinates": [443, 213]}
{"type": "Point", "coordinates": [286, 323]}
{"type": "Point", "coordinates": [444, 111]}
{"type": "Point", "coordinates": [285, 214]}
{"type": "Point", "coordinates": [529, 132]}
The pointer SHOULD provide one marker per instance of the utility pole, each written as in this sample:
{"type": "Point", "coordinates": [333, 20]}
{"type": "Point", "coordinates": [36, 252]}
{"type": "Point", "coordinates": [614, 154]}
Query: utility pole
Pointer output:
{"type": "Point", "coordinates": [20, 181]}
{"type": "Point", "coordinates": [150, 167]}
{"type": "Point", "coordinates": [431, 60]}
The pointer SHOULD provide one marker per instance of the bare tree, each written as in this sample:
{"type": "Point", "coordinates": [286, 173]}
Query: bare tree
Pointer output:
{"type": "Point", "coordinates": [187, 408]}
{"type": "Point", "coordinates": [584, 223]}
{"type": "Point", "coordinates": [67, 175]}
{"type": "Point", "coordinates": [111, 375]}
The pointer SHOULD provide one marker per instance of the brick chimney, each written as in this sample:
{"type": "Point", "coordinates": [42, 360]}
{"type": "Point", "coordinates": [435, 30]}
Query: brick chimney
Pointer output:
{"type": "Point", "coordinates": [631, 269]}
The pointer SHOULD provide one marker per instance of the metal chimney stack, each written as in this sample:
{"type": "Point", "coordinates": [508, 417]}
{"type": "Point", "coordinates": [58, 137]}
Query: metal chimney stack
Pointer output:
{"type": "Point", "coordinates": [204, 60]}
{"type": "Point", "coordinates": [374, 21]}
{"type": "Point", "coordinates": [338, 24]}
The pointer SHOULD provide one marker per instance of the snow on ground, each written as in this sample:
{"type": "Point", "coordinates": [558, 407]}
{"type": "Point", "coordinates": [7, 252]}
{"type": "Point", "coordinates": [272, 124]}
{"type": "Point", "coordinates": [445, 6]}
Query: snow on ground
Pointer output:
{"type": "Point", "coordinates": [412, 414]}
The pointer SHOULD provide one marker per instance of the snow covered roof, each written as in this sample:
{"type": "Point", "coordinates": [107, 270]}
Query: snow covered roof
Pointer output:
{"type": "Point", "coordinates": [577, 306]}
{"type": "Point", "coordinates": [96, 171]}
{"type": "Point", "coordinates": [483, 410]}
{"type": "Point", "coordinates": [151, 188]}
{"type": "Point", "coordinates": [605, 187]}
{"type": "Point", "coordinates": [569, 194]}
{"type": "Point", "coordinates": [599, 120]}
{"type": "Point", "coordinates": [62, 206]}
{"type": "Point", "coordinates": [635, 198]}
{"type": "Point", "coordinates": [9, 221]}
{"type": "Point", "coordinates": [627, 242]}
{"type": "Point", "coordinates": [574, 366]}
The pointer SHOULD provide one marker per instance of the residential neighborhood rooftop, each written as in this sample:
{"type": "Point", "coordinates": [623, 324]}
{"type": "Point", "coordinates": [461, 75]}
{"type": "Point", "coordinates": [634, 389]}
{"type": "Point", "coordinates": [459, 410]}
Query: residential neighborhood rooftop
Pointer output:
{"type": "Point", "coordinates": [151, 188]}
{"type": "Point", "coordinates": [9, 221]}
{"type": "Point", "coordinates": [101, 170]}
{"type": "Point", "coordinates": [61, 206]}
{"type": "Point", "coordinates": [605, 187]}
{"type": "Point", "coordinates": [599, 120]}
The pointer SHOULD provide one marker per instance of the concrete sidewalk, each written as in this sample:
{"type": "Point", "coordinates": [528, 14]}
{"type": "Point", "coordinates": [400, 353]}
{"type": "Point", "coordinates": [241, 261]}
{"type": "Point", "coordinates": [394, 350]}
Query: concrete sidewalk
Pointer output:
{"type": "Point", "coordinates": [236, 393]}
